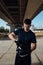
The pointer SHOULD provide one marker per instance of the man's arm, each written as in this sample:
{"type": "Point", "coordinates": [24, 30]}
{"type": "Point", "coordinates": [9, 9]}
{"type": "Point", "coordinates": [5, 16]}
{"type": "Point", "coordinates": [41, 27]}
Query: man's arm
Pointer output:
{"type": "Point", "coordinates": [12, 36]}
{"type": "Point", "coordinates": [33, 46]}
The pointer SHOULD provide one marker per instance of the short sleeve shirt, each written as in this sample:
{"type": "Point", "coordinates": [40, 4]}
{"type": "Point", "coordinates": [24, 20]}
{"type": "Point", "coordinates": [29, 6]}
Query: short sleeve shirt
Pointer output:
{"type": "Point", "coordinates": [26, 37]}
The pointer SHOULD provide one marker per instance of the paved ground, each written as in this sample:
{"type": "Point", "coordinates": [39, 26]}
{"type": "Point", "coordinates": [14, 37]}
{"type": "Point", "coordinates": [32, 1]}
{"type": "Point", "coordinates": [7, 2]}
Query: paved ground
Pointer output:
{"type": "Point", "coordinates": [8, 52]}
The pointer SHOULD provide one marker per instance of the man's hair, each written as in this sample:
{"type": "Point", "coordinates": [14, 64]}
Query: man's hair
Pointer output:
{"type": "Point", "coordinates": [27, 21]}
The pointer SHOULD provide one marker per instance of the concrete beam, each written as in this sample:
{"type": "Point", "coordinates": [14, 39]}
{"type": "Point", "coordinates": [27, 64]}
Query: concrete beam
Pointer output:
{"type": "Point", "coordinates": [37, 11]}
{"type": "Point", "coordinates": [6, 11]}
{"type": "Point", "coordinates": [32, 7]}
{"type": "Point", "coordinates": [2, 15]}
{"type": "Point", "coordinates": [12, 6]}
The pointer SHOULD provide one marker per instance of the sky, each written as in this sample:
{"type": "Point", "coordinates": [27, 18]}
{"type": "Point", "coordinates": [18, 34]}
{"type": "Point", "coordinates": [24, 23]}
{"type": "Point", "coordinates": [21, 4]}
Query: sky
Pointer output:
{"type": "Point", "coordinates": [37, 21]}
{"type": "Point", "coordinates": [4, 24]}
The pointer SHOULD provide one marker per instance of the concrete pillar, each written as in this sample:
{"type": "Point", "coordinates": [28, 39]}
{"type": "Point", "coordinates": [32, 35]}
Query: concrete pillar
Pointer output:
{"type": "Point", "coordinates": [12, 27]}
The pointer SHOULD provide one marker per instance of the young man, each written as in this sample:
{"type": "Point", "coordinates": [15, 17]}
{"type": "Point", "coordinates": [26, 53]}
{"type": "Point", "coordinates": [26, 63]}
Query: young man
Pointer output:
{"type": "Point", "coordinates": [26, 43]}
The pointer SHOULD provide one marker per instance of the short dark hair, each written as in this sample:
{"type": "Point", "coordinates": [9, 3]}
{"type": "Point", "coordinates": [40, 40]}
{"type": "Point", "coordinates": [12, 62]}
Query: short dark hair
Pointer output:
{"type": "Point", "coordinates": [27, 21]}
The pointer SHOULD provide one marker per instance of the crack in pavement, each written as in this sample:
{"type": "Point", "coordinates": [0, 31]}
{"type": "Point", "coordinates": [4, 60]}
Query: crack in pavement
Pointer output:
{"type": "Point", "coordinates": [7, 50]}
{"type": "Point", "coordinates": [38, 59]}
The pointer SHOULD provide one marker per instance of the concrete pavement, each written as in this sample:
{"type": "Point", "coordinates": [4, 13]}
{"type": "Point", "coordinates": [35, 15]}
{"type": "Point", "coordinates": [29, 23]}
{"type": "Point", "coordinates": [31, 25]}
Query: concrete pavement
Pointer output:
{"type": "Point", "coordinates": [8, 52]}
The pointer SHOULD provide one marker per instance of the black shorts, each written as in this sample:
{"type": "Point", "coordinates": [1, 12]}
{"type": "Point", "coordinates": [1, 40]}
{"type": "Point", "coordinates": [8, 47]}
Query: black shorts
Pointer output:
{"type": "Point", "coordinates": [22, 60]}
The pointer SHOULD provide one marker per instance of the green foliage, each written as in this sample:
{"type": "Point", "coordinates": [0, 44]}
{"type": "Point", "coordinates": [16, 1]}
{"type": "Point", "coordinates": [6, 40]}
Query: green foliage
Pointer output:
{"type": "Point", "coordinates": [2, 29]}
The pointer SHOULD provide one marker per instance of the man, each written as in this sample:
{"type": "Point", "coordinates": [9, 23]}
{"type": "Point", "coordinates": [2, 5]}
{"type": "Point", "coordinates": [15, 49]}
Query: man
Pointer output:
{"type": "Point", "coordinates": [26, 43]}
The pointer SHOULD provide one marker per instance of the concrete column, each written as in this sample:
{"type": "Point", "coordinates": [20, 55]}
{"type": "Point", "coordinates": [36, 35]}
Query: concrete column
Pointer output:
{"type": "Point", "coordinates": [12, 27]}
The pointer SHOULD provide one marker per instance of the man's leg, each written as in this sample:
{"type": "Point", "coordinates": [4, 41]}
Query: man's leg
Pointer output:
{"type": "Point", "coordinates": [18, 60]}
{"type": "Point", "coordinates": [26, 60]}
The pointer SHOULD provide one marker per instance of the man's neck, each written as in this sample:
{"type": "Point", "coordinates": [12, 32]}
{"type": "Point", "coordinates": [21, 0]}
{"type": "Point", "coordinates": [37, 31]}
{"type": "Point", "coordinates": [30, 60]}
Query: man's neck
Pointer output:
{"type": "Point", "coordinates": [27, 30]}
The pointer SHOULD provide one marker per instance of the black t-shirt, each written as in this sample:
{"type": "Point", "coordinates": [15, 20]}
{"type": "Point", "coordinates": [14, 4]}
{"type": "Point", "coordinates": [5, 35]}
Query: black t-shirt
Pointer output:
{"type": "Point", "coordinates": [24, 40]}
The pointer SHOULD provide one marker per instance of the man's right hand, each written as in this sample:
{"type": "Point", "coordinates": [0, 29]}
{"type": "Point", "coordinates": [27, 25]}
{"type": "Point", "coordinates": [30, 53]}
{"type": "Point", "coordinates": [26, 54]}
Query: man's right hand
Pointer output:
{"type": "Point", "coordinates": [12, 36]}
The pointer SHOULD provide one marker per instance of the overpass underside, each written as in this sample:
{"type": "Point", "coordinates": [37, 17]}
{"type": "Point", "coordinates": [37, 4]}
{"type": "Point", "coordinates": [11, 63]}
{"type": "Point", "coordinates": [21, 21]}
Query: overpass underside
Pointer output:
{"type": "Point", "coordinates": [16, 11]}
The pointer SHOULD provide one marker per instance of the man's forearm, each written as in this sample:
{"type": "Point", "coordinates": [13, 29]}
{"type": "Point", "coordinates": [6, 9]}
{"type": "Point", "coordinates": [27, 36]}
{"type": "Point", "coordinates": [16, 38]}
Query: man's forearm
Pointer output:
{"type": "Point", "coordinates": [33, 47]}
{"type": "Point", "coordinates": [12, 37]}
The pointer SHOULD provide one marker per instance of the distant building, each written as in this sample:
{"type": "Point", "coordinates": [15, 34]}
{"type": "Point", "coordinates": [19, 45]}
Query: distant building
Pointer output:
{"type": "Point", "coordinates": [38, 29]}
{"type": "Point", "coordinates": [32, 27]}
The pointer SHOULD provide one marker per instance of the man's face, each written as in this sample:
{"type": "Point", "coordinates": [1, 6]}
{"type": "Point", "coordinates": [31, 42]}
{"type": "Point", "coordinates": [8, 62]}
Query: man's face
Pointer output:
{"type": "Point", "coordinates": [26, 26]}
